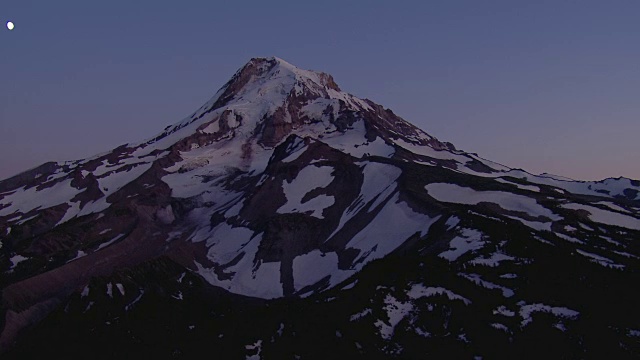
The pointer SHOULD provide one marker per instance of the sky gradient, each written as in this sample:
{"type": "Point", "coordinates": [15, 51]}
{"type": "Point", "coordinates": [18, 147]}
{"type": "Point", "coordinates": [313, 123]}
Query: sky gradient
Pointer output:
{"type": "Point", "coordinates": [546, 86]}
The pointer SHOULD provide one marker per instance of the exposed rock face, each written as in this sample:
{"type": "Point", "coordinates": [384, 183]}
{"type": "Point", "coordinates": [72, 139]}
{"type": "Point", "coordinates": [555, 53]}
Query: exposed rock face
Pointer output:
{"type": "Point", "coordinates": [283, 186]}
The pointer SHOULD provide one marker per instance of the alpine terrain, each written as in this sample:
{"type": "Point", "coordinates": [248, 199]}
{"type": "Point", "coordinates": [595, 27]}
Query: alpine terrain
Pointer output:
{"type": "Point", "coordinates": [287, 219]}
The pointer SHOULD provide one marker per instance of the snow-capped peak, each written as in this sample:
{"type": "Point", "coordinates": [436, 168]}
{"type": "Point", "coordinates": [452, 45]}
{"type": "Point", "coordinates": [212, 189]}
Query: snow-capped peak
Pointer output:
{"type": "Point", "coordinates": [266, 100]}
{"type": "Point", "coordinates": [273, 76]}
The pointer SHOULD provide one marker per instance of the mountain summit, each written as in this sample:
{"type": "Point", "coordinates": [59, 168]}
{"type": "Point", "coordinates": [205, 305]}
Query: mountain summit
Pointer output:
{"type": "Point", "coordinates": [284, 197]}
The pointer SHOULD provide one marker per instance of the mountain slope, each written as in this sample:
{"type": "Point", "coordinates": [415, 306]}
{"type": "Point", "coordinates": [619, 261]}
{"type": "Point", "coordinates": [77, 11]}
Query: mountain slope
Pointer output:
{"type": "Point", "coordinates": [283, 186]}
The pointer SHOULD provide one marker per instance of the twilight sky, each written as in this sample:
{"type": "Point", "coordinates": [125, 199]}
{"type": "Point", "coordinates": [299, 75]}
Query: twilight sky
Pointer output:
{"type": "Point", "coordinates": [547, 86]}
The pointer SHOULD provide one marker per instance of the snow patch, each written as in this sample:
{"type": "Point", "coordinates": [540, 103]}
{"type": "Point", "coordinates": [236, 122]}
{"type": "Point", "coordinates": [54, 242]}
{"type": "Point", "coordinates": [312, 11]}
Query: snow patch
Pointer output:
{"type": "Point", "coordinates": [115, 181]}
{"type": "Point", "coordinates": [360, 315]}
{"type": "Point", "coordinates": [500, 327]}
{"type": "Point", "coordinates": [502, 310]}
{"type": "Point", "coordinates": [379, 182]}
{"type": "Point", "coordinates": [78, 255]}
{"type": "Point", "coordinates": [613, 206]}
{"type": "Point", "coordinates": [428, 151]}
{"type": "Point", "coordinates": [17, 259]}
{"type": "Point", "coordinates": [519, 186]}
{"type": "Point", "coordinates": [212, 128]}
{"type": "Point", "coordinates": [467, 240]}
{"type": "Point", "coordinates": [308, 179]}
{"type": "Point", "coordinates": [105, 244]}
{"type": "Point", "coordinates": [453, 193]}
{"type": "Point", "coordinates": [24, 200]}
{"type": "Point", "coordinates": [354, 142]}
{"type": "Point", "coordinates": [383, 238]}
{"type": "Point", "coordinates": [310, 268]}
{"type": "Point", "coordinates": [248, 278]}
{"type": "Point", "coordinates": [527, 310]}
{"type": "Point", "coordinates": [130, 305]}
{"type": "Point", "coordinates": [493, 260]}
{"type": "Point", "coordinates": [419, 290]}
{"type": "Point", "coordinates": [120, 288]}
{"type": "Point", "coordinates": [477, 279]}
{"type": "Point", "coordinates": [452, 222]}
{"type": "Point", "coordinates": [600, 260]}
{"type": "Point", "coordinates": [257, 347]}
{"type": "Point", "coordinates": [569, 238]}
{"type": "Point", "coordinates": [396, 311]}
{"type": "Point", "coordinates": [606, 217]}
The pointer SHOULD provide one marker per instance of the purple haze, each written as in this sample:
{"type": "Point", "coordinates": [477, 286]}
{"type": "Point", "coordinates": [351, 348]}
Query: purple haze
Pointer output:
{"type": "Point", "coordinates": [545, 86]}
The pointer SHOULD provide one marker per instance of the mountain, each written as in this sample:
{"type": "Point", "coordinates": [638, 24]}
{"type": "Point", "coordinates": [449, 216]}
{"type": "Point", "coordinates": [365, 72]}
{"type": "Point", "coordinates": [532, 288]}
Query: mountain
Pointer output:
{"type": "Point", "coordinates": [286, 218]}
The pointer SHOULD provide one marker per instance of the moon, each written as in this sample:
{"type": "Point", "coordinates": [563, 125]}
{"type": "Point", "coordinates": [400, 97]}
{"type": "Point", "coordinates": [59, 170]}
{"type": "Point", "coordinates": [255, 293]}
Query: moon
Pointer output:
{"type": "Point", "coordinates": [10, 25]}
